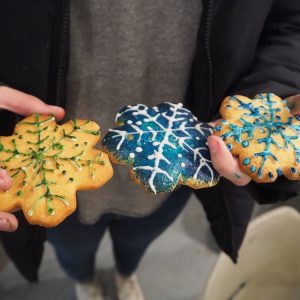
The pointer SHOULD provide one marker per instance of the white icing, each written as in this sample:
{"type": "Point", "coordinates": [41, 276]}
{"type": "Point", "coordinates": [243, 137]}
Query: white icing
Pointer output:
{"type": "Point", "coordinates": [138, 149]}
{"type": "Point", "coordinates": [139, 123]}
{"type": "Point", "coordinates": [182, 165]}
{"type": "Point", "coordinates": [132, 155]}
{"type": "Point", "coordinates": [179, 155]}
{"type": "Point", "coordinates": [129, 122]}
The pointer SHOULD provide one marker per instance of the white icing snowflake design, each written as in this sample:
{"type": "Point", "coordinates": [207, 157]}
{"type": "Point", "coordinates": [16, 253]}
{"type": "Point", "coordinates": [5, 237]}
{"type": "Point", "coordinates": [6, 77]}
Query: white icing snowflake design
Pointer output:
{"type": "Point", "coordinates": [165, 144]}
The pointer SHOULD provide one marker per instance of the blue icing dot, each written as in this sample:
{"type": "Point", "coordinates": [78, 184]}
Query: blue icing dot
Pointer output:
{"type": "Point", "coordinates": [293, 170]}
{"type": "Point", "coordinates": [279, 172]}
{"type": "Point", "coordinates": [228, 106]}
{"type": "Point", "coordinates": [245, 144]}
{"type": "Point", "coordinates": [218, 128]}
{"type": "Point", "coordinates": [256, 122]}
{"type": "Point", "coordinates": [224, 122]}
{"type": "Point", "coordinates": [246, 161]}
{"type": "Point", "coordinates": [270, 175]}
{"type": "Point", "coordinates": [298, 118]}
{"type": "Point", "coordinates": [252, 169]}
{"type": "Point", "coordinates": [229, 146]}
{"type": "Point", "coordinates": [278, 117]}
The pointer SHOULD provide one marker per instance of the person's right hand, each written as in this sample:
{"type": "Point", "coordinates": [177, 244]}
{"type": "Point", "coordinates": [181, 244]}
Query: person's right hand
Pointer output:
{"type": "Point", "coordinates": [23, 104]}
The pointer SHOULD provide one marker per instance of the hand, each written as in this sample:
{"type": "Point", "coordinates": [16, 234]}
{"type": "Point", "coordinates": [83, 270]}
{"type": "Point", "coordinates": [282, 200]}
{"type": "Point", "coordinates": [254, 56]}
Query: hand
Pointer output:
{"type": "Point", "coordinates": [222, 159]}
{"type": "Point", "coordinates": [23, 104]}
{"type": "Point", "coordinates": [225, 164]}
{"type": "Point", "coordinates": [294, 104]}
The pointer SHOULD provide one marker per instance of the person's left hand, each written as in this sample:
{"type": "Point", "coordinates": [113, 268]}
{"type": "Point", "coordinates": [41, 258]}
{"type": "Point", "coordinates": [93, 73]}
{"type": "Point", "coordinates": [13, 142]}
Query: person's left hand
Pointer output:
{"type": "Point", "coordinates": [224, 162]}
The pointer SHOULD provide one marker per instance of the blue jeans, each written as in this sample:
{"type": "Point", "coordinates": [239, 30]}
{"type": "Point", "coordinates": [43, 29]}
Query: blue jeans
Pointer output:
{"type": "Point", "coordinates": [76, 244]}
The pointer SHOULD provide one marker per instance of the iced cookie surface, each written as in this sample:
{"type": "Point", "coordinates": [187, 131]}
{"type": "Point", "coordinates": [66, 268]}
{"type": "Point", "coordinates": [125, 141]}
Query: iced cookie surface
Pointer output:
{"type": "Point", "coordinates": [165, 145]}
{"type": "Point", "coordinates": [48, 164]}
{"type": "Point", "coordinates": [263, 134]}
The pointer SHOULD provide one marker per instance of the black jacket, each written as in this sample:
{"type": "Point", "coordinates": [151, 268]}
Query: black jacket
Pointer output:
{"type": "Point", "coordinates": [243, 47]}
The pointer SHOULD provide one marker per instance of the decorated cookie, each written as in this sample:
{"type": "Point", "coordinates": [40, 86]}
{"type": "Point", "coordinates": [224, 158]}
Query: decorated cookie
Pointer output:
{"type": "Point", "coordinates": [48, 164]}
{"type": "Point", "coordinates": [263, 134]}
{"type": "Point", "coordinates": [165, 145]}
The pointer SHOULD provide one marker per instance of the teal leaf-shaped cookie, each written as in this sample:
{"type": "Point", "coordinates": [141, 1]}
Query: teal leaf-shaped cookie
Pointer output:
{"type": "Point", "coordinates": [165, 145]}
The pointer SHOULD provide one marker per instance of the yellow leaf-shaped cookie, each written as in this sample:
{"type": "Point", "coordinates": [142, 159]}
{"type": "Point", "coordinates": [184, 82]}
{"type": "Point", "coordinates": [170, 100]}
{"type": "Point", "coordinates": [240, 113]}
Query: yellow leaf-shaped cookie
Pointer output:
{"type": "Point", "coordinates": [48, 164]}
{"type": "Point", "coordinates": [263, 134]}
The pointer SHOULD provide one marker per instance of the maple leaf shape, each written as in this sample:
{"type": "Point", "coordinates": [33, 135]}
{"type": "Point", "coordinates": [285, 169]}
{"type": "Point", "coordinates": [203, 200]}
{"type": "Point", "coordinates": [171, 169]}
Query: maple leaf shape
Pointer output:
{"type": "Point", "coordinates": [166, 145]}
{"type": "Point", "coordinates": [263, 134]}
{"type": "Point", "coordinates": [48, 164]}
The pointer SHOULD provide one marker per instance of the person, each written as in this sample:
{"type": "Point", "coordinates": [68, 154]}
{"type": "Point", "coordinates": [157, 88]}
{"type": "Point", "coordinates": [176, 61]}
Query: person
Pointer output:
{"type": "Point", "coordinates": [126, 52]}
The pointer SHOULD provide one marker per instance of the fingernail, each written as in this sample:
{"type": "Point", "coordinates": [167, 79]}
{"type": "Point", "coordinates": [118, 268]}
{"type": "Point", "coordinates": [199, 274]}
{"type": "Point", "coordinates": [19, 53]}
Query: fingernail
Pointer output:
{"type": "Point", "coordinates": [5, 225]}
{"type": "Point", "coordinates": [291, 105]}
{"type": "Point", "coordinates": [59, 112]}
{"type": "Point", "coordinates": [213, 146]}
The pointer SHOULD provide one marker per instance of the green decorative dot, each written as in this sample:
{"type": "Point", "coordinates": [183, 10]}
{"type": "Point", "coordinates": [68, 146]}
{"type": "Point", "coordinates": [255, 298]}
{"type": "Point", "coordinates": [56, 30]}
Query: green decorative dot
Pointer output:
{"type": "Point", "coordinates": [19, 193]}
{"type": "Point", "coordinates": [64, 172]}
{"type": "Point", "coordinates": [51, 211]}
{"type": "Point", "coordinates": [71, 179]}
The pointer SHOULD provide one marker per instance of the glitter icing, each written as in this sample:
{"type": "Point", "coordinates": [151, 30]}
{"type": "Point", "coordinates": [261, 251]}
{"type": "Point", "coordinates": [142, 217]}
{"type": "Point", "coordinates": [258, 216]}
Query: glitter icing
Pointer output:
{"type": "Point", "coordinates": [169, 147]}
{"type": "Point", "coordinates": [264, 134]}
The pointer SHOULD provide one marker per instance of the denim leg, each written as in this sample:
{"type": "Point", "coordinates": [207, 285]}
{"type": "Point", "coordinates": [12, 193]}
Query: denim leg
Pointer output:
{"type": "Point", "coordinates": [76, 244]}
{"type": "Point", "coordinates": [132, 236]}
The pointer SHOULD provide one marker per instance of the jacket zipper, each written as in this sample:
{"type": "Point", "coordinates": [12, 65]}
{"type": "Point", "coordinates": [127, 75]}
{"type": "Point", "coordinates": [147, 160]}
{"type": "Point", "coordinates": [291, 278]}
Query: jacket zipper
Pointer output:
{"type": "Point", "coordinates": [207, 37]}
{"type": "Point", "coordinates": [62, 61]}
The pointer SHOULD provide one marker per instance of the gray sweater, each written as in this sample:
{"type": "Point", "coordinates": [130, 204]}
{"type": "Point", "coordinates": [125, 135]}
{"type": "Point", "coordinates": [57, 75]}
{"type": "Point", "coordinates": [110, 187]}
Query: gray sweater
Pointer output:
{"type": "Point", "coordinates": [127, 52]}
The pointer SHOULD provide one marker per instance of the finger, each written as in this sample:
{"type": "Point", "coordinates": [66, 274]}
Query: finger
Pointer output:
{"type": "Point", "coordinates": [212, 123]}
{"type": "Point", "coordinates": [24, 104]}
{"type": "Point", "coordinates": [293, 103]}
{"type": "Point", "coordinates": [225, 164]}
{"type": "Point", "coordinates": [5, 180]}
{"type": "Point", "coordinates": [8, 222]}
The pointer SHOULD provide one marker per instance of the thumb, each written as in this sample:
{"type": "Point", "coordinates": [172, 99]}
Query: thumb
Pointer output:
{"type": "Point", "coordinates": [293, 103]}
{"type": "Point", "coordinates": [25, 104]}
{"type": "Point", "coordinates": [225, 164]}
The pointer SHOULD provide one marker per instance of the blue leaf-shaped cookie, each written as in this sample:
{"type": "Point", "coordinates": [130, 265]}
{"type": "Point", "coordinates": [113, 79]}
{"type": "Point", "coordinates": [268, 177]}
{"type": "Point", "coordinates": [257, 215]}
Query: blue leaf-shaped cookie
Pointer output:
{"type": "Point", "coordinates": [165, 144]}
